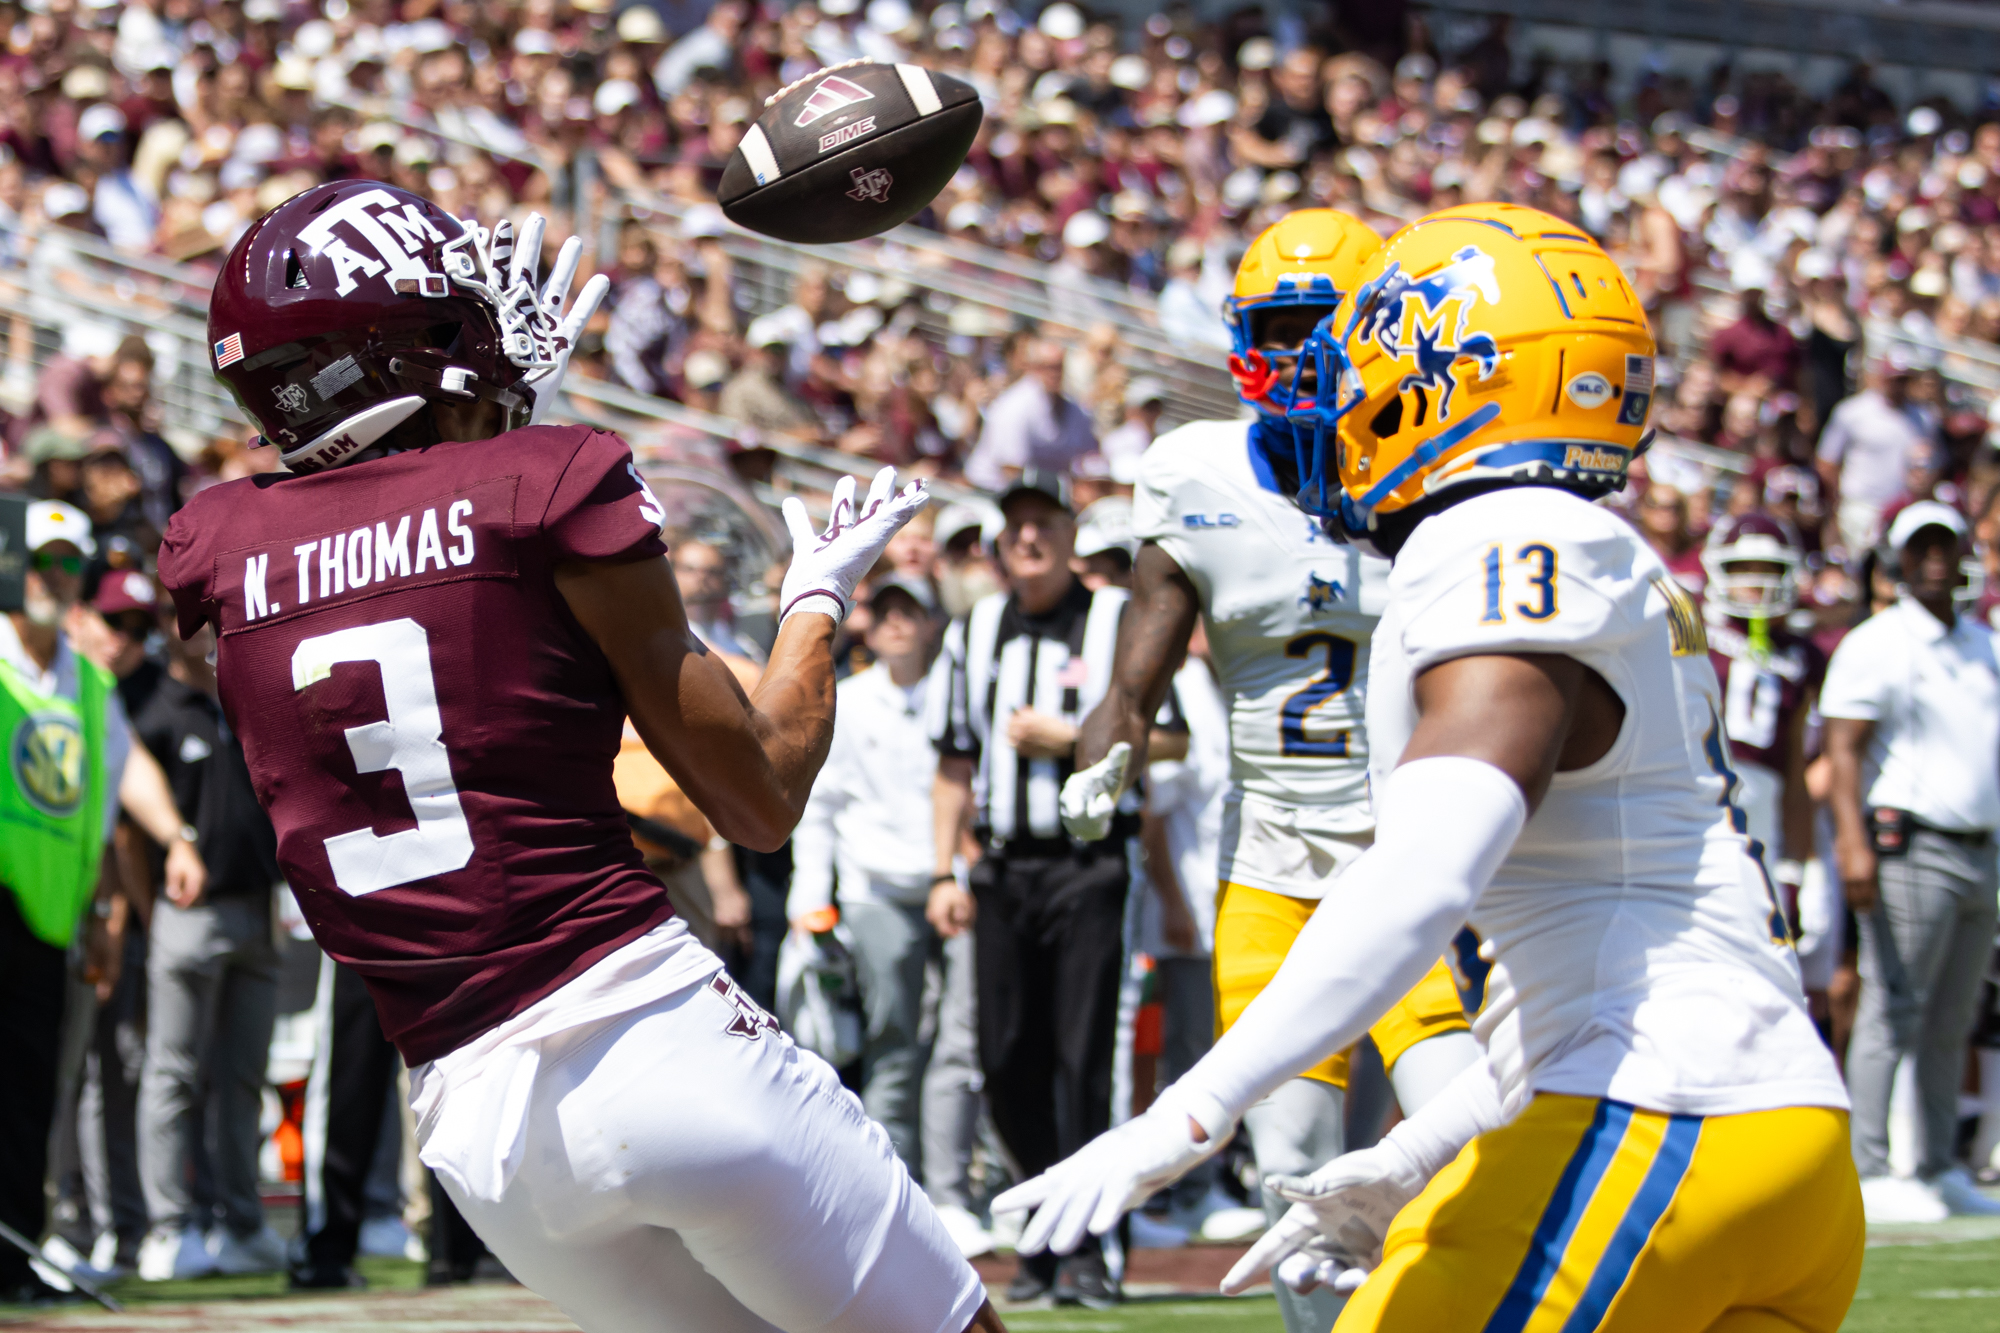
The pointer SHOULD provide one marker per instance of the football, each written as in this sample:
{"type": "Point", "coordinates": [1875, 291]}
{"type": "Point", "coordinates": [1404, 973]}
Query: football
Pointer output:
{"type": "Point", "coordinates": [849, 152]}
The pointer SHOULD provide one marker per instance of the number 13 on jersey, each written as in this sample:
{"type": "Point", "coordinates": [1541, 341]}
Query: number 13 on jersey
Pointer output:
{"type": "Point", "coordinates": [1534, 569]}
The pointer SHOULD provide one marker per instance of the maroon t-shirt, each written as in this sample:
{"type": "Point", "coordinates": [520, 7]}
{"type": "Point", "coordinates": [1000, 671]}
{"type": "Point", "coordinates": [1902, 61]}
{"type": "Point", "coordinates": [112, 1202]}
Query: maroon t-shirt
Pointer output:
{"type": "Point", "coordinates": [1761, 699]}
{"type": "Point", "coordinates": [430, 729]}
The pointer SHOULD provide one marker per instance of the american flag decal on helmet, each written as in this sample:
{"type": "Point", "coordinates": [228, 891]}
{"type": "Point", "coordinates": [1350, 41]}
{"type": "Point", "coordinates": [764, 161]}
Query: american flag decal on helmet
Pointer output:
{"type": "Point", "coordinates": [832, 94]}
{"type": "Point", "coordinates": [229, 351]}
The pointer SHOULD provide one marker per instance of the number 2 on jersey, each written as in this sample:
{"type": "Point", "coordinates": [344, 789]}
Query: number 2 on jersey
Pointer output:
{"type": "Point", "coordinates": [1339, 674]}
{"type": "Point", "coordinates": [410, 740]}
{"type": "Point", "coordinates": [1541, 562]}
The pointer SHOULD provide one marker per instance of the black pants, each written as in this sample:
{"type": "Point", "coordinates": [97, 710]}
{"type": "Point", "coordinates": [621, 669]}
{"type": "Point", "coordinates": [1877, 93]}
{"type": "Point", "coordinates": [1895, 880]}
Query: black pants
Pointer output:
{"type": "Point", "coordinates": [1048, 944]}
{"type": "Point", "coordinates": [361, 1070]}
{"type": "Point", "coordinates": [31, 1013]}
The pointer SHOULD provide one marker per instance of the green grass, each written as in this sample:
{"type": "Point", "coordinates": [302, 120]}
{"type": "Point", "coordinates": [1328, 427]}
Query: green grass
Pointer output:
{"type": "Point", "coordinates": [382, 1275]}
{"type": "Point", "coordinates": [1905, 1288]}
{"type": "Point", "coordinates": [1935, 1288]}
{"type": "Point", "coordinates": [1208, 1315]}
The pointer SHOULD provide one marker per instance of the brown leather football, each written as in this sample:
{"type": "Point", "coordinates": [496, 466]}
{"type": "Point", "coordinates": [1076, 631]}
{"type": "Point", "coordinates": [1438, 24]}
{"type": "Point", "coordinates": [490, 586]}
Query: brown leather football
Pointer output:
{"type": "Point", "coordinates": [849, 152]}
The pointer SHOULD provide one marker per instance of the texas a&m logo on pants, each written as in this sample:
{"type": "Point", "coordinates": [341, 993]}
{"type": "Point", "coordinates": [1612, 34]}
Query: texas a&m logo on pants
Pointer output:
{"type": "Point", "coordinates": [749, 1022]}
{"type": "Point", "coordinates": [871, 186]}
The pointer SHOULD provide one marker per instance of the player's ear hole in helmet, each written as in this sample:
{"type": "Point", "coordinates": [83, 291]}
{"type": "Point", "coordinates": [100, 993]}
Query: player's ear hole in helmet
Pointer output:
{"type": "Point", "coordinates": [1483, 346]}
{"type": "Point", "coordinates": [357, 315]}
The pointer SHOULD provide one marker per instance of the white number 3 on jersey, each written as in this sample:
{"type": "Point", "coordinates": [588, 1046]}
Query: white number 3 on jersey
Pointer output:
{"type": "Point", "coordinates": [411, 741]}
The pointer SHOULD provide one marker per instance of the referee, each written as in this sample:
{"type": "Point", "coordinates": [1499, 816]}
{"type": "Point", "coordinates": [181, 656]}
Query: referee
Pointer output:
{"type": "Point", "coordinates": [1015, 676]}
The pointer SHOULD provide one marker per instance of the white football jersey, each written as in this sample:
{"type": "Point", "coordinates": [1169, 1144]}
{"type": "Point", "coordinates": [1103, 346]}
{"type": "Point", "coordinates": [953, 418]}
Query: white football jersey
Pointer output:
{"type": "Point", "coordinates": [1638, 949]}
{"type": "Point", "coordinates": [1289, 615]}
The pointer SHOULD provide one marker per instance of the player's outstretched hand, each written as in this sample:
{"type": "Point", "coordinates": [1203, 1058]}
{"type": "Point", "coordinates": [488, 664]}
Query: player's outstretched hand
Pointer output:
{"type": "Point", "coordinates": [826, 565]}
{"type": "Point", "coordinates": [1333, 1233]}
{"type": "Point", "coordinates": [1091, 794]}
{"type": "Point", "coordinates": [537, 312]}
{"type": "Point", "coordinates": [1109, 1176]}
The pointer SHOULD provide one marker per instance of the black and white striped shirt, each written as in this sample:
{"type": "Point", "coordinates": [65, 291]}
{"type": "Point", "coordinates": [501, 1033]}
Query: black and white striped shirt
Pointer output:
{"type": "Point", "coordinates": [996, 659]}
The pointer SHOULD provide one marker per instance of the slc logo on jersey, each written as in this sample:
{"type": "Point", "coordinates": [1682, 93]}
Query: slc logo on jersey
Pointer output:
{"type": "Point", "coordinates": [1425, 322]}
{"type": "Point", "coordinates": [1321, 594]}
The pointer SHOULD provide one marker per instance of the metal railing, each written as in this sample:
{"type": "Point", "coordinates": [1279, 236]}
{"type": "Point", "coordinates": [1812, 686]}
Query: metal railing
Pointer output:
{"type": "Point", "coordinates": [83, 290]}
{"type": "Point", "coordinates": [947, 270]}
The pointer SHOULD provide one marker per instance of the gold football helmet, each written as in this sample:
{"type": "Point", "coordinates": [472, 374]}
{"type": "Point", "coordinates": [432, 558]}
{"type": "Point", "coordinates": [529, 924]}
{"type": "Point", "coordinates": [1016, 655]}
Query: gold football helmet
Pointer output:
{"type": "Point", "coordinates": [1483, 345]}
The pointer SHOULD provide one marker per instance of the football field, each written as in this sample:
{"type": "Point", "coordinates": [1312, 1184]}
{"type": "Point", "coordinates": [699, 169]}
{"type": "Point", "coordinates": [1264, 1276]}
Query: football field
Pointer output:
{"type": "Point", "coordinates": [1935, 1279]}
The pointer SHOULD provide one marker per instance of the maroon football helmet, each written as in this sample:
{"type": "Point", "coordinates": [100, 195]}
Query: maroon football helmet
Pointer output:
{"type": "Point", "coordinates": [346, 308]}
{"type": "Point", "coordinates": [1771, 588]}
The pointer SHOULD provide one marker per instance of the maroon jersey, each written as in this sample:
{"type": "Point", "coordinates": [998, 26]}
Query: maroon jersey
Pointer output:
{"type": "Point", "coordinates": [428, 726]}
{"type": "Point", "coordinates": [1761, 699]}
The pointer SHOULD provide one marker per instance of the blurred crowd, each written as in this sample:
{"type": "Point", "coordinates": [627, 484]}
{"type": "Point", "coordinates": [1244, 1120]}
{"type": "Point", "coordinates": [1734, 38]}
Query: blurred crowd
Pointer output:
{"type": "Point", "coordinates": [1823, 274]}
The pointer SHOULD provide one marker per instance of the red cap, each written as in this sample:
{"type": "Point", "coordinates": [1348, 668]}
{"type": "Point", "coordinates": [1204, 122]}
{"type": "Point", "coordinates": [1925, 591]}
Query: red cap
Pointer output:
{"type": "Point", "coordinates": [125, 590]}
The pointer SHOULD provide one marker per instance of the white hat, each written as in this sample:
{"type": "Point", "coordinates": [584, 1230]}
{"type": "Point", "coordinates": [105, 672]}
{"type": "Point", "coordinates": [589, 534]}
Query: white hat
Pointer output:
{"type": "Point", "coordinates": [258, 143]}
{"type": "Point", "coordinates": [641, 24]}
{"type": "Point", "coordinates": [1131, 73]}
{"type": "Point", "coordinates": [1813, 265]}
{"type": "Point", "coordinates": [1924, 514]}
{"type": "Point", "coordinates": [1750, 271]}
{"type": "Point", "coordinates": [1923, 121]}
{"type": "Point", "coordinates": [63, 198]}
{"type": "Point", "coordinates": [978, 512]}
{"type": "Point", "coordinates": [100, 121]}
{"type": "Point", "coordinates": [1062, 21]}
{"type": "Point", "coordinates": [1106, 525]}
{"type": "Point", "coordinates": [887, 16]}
{"type": "Point", "coordinates": [1086, 227]}
{"type": "Point", "coordinates": [1257, 53]}
{"type": "Point", "coordinates": [54, 521]}
{"type": "Point", "coordinates": [613, 96]}
{"type": "Point", "coordinates": [702, 220]}
{"type": "Point", "coordinates": [534, 42]}
{"type": "Point", "coordinates": [1211, 108]}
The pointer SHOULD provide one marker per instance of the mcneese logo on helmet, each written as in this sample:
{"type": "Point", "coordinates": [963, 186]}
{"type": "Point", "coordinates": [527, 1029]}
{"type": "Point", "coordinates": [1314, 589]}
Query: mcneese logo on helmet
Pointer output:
{"type": "Point", "coordinates": [1484, 345]}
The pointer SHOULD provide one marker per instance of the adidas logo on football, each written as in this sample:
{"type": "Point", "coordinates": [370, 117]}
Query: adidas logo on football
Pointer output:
{"type": "Point", "coordinates": [832, 94]}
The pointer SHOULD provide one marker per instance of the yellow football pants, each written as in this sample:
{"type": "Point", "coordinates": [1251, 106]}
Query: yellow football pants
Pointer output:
{"type": "Point", "coordinates": [1591, 1215]}
{"type": "Point", "coordinates": [1254, 930]}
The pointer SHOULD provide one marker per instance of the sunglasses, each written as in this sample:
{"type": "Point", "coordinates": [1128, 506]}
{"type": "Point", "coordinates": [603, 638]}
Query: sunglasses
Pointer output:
{"type": "Point", "coordinates": [71, 565]}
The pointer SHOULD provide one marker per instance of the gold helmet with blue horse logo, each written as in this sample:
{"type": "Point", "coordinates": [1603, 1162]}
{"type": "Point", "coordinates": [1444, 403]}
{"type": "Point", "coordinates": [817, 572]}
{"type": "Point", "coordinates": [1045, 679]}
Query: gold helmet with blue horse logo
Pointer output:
{"type": "Point", "coordinates": [1485, 345]}
{"type": "Point", "coordinates": [1307, 259]}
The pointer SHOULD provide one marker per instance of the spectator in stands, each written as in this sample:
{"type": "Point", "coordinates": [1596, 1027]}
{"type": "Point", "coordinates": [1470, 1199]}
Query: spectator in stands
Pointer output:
{"type": "Point", "coordinates": [756, 394]}
{"type": "Point", "coordinates": [1145, 400]}
{"type": "Point", "coordinates": [212, 971]}
{"type": "Point", "coordinates": [1664, 522]}
{"type": "Point", "coordinates": [1031, 424]}
{"type": "Point", "coordinates": [1865, 448]}
{"type": "Point", "coordinates": [1756, 353]}
{"type": "Point", "coordinates": [703, 573]}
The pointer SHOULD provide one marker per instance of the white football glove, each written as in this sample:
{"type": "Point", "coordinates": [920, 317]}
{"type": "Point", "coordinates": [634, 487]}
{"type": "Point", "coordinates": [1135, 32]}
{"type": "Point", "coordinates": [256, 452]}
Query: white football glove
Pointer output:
{"type": "Point", "coordinates": [1114, 1173]}
{"type": "Point", "coordinates": [1090, 797]}
{"type": "Point", "coordinates": [1333, 1232]}
{"type": "Point", "coordinates": [826, 566]}
{"type": "Point", "coordinates": [537, 334]}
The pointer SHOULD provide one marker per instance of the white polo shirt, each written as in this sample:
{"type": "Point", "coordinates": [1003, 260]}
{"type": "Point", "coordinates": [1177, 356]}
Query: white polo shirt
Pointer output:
{"type": "Point", "coordinates": [1934, 697]}
{"type": "Point", "coordinates": [869, 816]}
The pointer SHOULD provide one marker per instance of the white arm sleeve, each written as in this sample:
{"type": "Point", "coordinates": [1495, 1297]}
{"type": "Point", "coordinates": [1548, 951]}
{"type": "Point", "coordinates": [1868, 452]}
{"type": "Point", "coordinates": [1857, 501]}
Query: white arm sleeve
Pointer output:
{"type": "Point", "coordinates": [1443, 827]}
{"type": "Point", "coordinates": [1468, 1107]}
